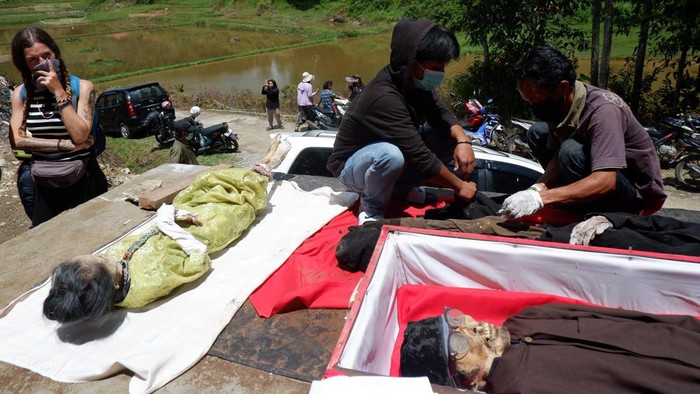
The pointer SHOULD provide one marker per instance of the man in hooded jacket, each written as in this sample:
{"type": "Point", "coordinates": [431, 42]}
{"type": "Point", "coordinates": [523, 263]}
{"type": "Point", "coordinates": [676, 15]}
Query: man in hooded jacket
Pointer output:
{"type": "Point", "coordinates": [384, 146]}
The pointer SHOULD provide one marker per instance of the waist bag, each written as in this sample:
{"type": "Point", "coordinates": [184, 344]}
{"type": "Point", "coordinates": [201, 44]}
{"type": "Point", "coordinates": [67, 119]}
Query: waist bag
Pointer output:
{"type": "Point", "coordinates": [58, 174]}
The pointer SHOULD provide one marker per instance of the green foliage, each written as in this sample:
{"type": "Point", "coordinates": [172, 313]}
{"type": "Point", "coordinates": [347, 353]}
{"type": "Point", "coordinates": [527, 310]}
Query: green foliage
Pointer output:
{"type": "Point", "coordinates": [378, 10]}
{"type": "Point", "coordinates": [142, 154]}
{"type": "Point", "coordinates": [650, 107]}
{"type": "Point", "coordinates": [139, 155]}
{"type": "Point", "coordinates": [447, 13]}
{"type": "Point", "coordinates": [495, 80]}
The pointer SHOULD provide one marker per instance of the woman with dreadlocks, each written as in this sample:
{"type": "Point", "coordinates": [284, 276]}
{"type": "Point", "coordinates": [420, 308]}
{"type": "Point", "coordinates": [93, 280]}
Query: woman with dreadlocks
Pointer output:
{"type": "Point", "coordinates": [53, 127]}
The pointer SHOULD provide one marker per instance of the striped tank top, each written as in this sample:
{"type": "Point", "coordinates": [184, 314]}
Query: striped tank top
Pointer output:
{"type": "Point", "coordinates": [45, 121]}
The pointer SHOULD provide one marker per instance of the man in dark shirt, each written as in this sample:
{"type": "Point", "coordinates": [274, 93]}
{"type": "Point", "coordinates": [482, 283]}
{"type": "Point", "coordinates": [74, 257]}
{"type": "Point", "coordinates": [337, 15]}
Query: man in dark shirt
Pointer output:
{"type": "Point", "coordinates": [597, 156]}
{"type": "Point", "coordinates": [383, 147]}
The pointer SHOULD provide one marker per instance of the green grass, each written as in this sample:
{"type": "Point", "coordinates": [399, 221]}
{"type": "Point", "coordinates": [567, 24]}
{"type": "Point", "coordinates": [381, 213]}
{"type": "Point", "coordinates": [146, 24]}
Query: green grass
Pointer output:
{"type": "Point", "coordinates": [142, 154]}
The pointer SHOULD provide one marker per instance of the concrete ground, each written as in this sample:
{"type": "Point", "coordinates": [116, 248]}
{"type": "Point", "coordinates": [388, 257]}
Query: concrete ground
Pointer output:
{"type": "Point", "coordinates": [26, 261]}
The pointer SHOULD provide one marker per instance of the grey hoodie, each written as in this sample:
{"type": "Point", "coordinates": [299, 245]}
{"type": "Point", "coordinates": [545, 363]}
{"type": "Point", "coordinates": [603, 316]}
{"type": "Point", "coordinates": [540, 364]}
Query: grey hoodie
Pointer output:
{"type": "Point", "coordinates": [389, 111]}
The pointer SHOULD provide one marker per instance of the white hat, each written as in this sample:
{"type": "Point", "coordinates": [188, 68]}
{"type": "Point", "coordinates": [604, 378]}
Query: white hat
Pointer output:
{"type": "Point", "coordinates": [306, 77]}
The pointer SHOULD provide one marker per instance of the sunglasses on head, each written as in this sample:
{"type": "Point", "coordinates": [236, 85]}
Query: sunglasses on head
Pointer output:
{"type": "Point", "coordinates": [456, 346]}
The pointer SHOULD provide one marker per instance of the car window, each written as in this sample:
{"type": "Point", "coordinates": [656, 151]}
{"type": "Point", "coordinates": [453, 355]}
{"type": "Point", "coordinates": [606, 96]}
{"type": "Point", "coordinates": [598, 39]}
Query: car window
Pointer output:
{"type": "Point", "coordinates": [311, 161]}
{"type": "Point", "coordinates": [119, 97]}
{"type": "Point", "coordinates": [158, 91]}
{"type": "Point", "coordinates": [110, 100]}
{"type": "Point", "coordinates": [136, 95]}
{"type": "Point", "coordinates": [101, 102]}
{"type": "Point", "coordinates": [506, 178]}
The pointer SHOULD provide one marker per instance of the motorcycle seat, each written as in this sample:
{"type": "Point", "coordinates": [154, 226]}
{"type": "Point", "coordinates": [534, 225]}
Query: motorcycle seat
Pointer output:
{"type": "Point", "coordinates": [326, 111]}
{"type": "Point", "coordinates": [212, 129]}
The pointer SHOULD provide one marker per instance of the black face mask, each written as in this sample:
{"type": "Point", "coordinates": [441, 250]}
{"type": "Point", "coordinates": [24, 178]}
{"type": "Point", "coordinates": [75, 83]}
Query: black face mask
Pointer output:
{"type": "Point", "coordinates": [549, 110]}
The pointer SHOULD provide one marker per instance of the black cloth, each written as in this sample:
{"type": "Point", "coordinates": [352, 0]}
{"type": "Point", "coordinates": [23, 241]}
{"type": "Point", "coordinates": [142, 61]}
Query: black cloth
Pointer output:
{"type": "Point", "coordinates": [422, 351]}
{"type": "Point", "coordinates": [355, 249]}
{"type": "Point", "coordinates": [387, 110]}
{"type": "Point", "coordinates": [561, 348]}
{"type": "Point", "coordinates": [481, 206]}
{"type": "Point", "coordinates": [272, 100]}
{"type": "Point", "coordinates": [653, 233]}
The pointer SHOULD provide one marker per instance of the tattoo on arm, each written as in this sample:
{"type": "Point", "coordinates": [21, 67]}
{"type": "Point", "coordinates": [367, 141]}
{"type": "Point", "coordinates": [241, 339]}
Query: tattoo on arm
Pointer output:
{"type": "Point", "coordinates": [89, 109]}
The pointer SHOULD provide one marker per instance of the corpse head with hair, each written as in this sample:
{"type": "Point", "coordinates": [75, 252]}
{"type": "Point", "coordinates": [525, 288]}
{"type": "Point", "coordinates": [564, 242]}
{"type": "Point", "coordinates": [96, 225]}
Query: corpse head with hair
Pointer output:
{"type": "Point", "coordinates": [437, 48]}
{"type": "Point", "coordinates": [452, 349]}
{"type": "Point", "coordinates": [546, 80]}
{"type": "Point", "coordinates": [85, 288]}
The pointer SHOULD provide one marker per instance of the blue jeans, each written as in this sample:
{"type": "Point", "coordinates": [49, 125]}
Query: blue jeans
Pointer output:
{"type": "Point", "coordinates": [25, 186]}
{"type": "Point", "coordinates": [372, 172]}
{"type": "Point", "coordinates": [575, 164]}
{"type": "Point", "coordinates": [378, 171]}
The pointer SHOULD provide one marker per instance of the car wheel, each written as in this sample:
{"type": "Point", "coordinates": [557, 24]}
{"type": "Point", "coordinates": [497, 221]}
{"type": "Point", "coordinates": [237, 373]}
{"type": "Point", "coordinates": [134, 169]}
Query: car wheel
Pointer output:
{"type": "Point", "coordinates": [124, 130]}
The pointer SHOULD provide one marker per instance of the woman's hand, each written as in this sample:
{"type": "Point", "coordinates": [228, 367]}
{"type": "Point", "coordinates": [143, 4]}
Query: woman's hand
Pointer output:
{"type": "Point", "coordinates": [68, 145]}
{"type": "Point", "coordinates": [49, 79]}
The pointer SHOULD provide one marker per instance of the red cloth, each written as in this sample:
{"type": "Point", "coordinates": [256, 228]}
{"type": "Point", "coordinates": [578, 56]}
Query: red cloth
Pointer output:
{"type": "Point", "coordinates": [310, 278]}
{"type": "Point", "coordinates": [417, 302]}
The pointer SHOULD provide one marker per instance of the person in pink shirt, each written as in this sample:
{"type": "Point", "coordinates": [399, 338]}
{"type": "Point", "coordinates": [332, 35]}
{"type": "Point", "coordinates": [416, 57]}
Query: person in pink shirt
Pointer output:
{"type": "Point", "coordinates": [305, 94]}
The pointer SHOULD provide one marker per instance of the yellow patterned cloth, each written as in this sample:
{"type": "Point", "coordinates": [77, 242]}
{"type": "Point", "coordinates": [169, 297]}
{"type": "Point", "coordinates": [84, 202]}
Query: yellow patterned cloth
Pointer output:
{"type": "Point", "coordinates": [225, 202]}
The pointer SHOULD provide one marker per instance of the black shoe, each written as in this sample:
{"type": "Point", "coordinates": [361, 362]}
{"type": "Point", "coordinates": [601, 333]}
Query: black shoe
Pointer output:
{"type": "Point", "coordinates": [269, 128]}
{"type": "Point", "coordinates": [280, 127]}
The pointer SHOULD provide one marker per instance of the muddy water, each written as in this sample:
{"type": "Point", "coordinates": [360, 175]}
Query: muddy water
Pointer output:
{"type": "Point", "coordinates": [95, 51]}
{"type": "Point", "coordinates": [330, 61]}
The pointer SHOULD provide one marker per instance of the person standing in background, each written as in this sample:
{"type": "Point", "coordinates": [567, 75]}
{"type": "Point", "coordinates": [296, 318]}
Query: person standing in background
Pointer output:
{"type": "Point", "coordinates": [355, 86]}
{"type": "Point", "coordinates": [328, 96]}
{"type": "Point", "coordinates": [305, 96]}
{"type": "Point", "coordinates": [55, 130]}
{"type": "Point", "coordinates": [272, 103]}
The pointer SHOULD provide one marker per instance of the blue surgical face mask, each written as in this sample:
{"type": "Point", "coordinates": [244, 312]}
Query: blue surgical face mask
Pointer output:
{"type": "Point", "coordinates": [431, 79]}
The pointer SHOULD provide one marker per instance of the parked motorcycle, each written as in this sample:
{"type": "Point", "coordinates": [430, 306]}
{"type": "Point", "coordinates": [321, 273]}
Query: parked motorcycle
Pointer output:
{"type": "Point", "coordinates": [688, 167]}
{"type": "Point", "coordinates": [217, 138]}
{"type": "Point", "coordinates": [669, 133]}
{"type": "Point", "coordinates": [516, 142]}
{"type": "Point", "coordinates": [482, 123]}
{"type": "Point", "coordinates": [160, 124]}
{"type": "Point", "coordinates": [326, 118]}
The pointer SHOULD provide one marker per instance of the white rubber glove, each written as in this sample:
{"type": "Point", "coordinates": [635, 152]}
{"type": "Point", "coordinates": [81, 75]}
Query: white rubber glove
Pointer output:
{"type": "Point", "coordinates": [584, 232]}
{"type": "Point", "coordinates": [522, 203]}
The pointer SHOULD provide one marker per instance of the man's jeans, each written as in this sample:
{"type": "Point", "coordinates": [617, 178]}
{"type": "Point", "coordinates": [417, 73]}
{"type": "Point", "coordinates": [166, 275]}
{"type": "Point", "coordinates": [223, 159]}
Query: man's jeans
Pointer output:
{"type": "Point", "coordinates": [575, 164]}
{"type": "Point", "coordinates": [372, 172]}
{"type": "Point", "coordinates": [378, 171]}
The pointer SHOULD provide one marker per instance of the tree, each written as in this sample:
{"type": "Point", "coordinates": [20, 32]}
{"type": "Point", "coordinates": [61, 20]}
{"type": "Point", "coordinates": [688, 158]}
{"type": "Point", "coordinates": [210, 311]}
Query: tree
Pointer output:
{"type": "Point", "coordinates": [505, 33]}
{"type": "Point", "coordinates": [645, 12]}
{"type": "Point", "coordinates": [595, 40]}
{"type": "Point", "coordinates": [607, 44]}
{"type": "Point", "coordinates": [679, 45]}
